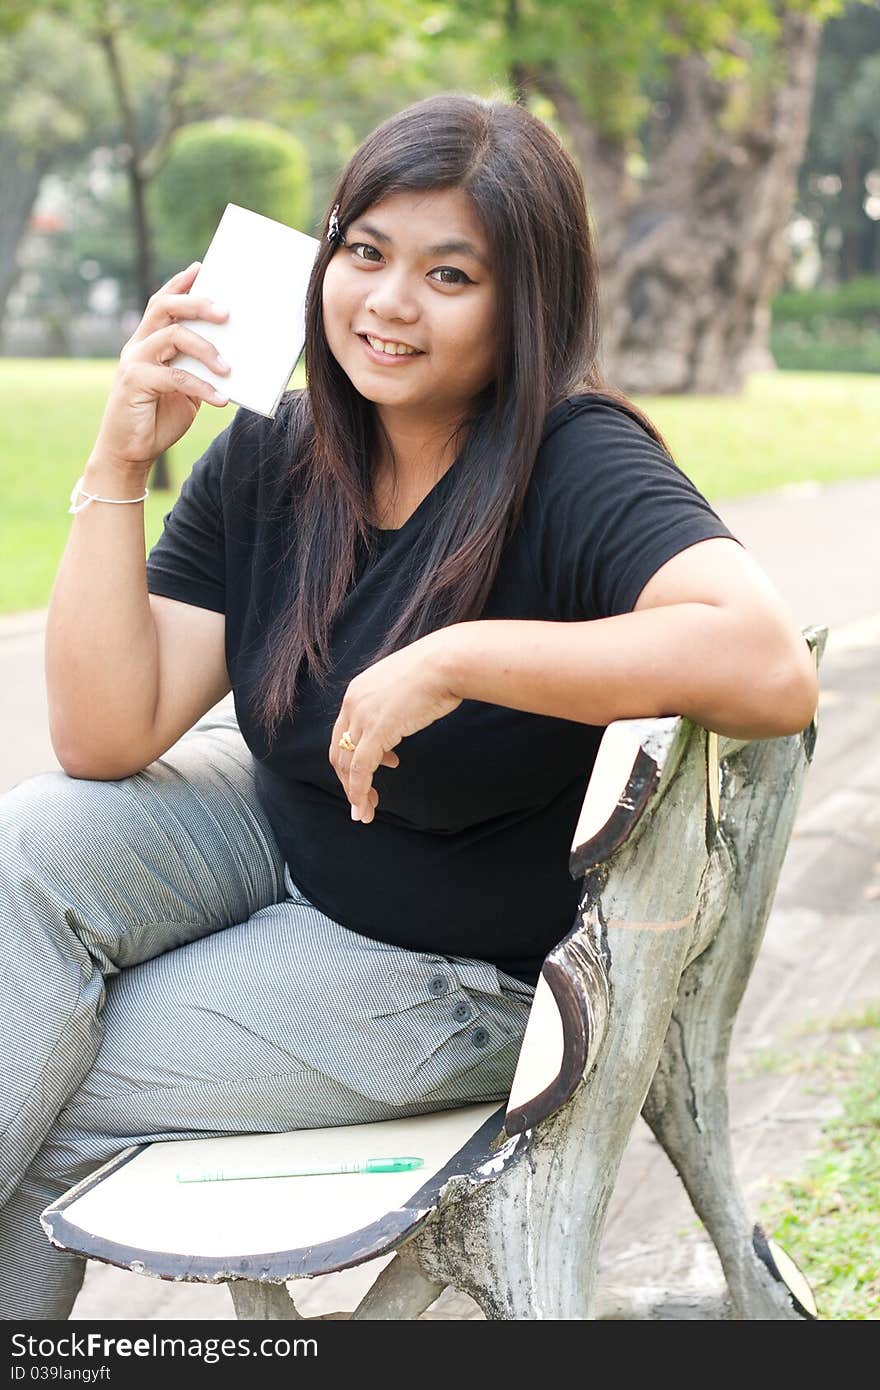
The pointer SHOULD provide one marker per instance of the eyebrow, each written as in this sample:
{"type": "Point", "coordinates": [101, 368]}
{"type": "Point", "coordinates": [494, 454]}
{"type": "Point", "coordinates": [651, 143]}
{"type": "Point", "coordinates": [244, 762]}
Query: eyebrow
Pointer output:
{"type": "Point", "coordinates": [443, 248]}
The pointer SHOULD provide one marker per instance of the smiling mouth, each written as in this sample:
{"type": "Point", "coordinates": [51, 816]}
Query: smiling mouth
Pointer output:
{"type": "Point", "coordinates": [377, 355]}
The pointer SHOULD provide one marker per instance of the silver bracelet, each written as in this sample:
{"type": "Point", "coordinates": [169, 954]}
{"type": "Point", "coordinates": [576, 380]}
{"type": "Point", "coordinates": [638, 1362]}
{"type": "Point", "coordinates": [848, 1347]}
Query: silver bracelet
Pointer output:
{"type": "Point", "coordinates": [91, 497]}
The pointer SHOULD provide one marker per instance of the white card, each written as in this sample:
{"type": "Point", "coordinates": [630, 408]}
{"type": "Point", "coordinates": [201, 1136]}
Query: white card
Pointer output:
{"type": "Point", "coordinates": [258, 270]}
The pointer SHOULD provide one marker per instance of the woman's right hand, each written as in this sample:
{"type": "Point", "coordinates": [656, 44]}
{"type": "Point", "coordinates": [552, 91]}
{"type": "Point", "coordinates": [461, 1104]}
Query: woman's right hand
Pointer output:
{"type": "Point", "coordinates": [152, 405]}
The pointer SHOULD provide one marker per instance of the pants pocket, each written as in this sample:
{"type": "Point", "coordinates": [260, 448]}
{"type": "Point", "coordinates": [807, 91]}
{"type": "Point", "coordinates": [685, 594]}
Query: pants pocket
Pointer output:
{"type": "Point", "coordinates": [452, 1044]}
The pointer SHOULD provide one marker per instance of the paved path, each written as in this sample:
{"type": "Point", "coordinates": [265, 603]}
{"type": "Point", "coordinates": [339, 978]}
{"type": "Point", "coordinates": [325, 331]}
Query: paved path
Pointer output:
{"type": "Point", "coordinates": [821, 955]}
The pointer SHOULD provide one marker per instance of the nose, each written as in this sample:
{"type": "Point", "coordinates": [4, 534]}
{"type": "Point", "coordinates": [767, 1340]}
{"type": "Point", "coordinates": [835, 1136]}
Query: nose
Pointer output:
{"type": "Point", "coordinates": [391, 298]}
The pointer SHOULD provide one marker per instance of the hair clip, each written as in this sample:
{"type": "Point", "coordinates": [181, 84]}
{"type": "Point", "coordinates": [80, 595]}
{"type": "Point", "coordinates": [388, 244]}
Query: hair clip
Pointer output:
{"type": "Point", "coordinates": [334, 234]}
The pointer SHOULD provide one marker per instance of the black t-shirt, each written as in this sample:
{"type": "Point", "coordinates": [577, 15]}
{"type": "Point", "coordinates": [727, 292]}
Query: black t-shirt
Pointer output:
{"type": "Point", "coordinates": [468, 850]}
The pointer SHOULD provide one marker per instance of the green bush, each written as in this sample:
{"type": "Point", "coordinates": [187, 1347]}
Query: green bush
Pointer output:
{"type": "Point", "coordinates": [828, 330]}
{"type": "Point", "coordinates": [857, 301]}
{"type": "Point", "coordinates": [833, 346]}
{"type": "Point", "coordinates": [212, 163]}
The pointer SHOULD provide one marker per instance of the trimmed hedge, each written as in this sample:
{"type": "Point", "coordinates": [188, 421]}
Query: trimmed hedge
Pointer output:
{"type": "Point", "coordinates": [212, 163]}
{"type": "Point", "coordinates": [828, 330]}
{"type": "Point", "coordinates": [857, 301]}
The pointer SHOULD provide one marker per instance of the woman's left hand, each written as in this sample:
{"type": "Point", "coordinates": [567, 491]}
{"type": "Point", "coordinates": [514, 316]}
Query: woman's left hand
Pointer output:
{"type": "Point", "coordinates": [404, 692]}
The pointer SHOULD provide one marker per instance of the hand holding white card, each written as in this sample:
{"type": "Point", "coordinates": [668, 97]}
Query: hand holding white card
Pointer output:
{"type": "Point", "coordinates": [258, 270]}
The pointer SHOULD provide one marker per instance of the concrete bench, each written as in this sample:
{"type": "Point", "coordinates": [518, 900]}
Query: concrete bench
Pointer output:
{"type": "Point", "coordinates": [679, 846]}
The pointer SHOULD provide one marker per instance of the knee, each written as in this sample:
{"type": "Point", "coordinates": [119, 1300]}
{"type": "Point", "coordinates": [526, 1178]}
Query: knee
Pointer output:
{"type": "Point", "coordinates": [53, 821]}
{"type": "Point", "coordinates": [29, 810]}
{"type": "Point", "coordinates": [31, 791]}
{"type": "Point", "coordinates": [42, 813]}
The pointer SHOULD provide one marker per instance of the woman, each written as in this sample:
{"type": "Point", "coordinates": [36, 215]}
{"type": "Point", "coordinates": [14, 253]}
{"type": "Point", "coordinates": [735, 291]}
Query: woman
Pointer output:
{"type": "Point", "coordinates": [430, 582]}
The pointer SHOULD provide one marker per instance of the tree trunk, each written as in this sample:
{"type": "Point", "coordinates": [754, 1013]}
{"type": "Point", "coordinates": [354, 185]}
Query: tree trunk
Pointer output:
{"type": "Point", "coordinates": [690, 260]}
{"type": "Point", "coordinates": [854, 257]}
{"type": "Point", "coordinates": [146, 261]}
{"type": "Point", "coordinates": [22, 174]}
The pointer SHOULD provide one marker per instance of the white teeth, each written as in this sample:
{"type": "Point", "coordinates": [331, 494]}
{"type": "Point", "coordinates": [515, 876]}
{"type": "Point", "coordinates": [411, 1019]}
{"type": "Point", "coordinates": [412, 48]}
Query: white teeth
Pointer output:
{"type": "Point", "coordinates": [393, 349]}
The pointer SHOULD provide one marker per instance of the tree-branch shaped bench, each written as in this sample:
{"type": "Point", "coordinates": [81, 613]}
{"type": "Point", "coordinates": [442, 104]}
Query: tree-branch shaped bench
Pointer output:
{"type": "Point", "coordinates": [679, 846]}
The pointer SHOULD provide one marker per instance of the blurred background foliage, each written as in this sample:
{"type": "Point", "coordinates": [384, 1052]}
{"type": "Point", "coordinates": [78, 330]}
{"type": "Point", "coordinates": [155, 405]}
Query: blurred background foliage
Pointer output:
{"type": "Point", "coordinates": [212, 163]}
{"type": "Point", "coordinates": [127, 126]}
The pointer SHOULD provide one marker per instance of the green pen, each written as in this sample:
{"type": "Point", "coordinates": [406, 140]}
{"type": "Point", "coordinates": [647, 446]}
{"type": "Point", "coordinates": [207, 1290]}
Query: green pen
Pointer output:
{"type": "Point", "coordinates": [367, 1165]}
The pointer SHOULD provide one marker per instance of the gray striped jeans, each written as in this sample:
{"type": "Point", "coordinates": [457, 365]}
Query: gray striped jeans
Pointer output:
{"type": "Point", "coordinates": [165, 978]}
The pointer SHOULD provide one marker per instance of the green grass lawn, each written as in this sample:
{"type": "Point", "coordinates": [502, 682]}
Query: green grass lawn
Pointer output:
{"type": "Point", "coordinates": [828, 1217]}
{"type": "Point", "coordinates": [785, 428]}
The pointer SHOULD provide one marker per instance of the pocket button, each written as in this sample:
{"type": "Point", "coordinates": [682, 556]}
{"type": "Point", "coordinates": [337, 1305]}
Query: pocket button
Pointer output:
{"type": "Point", "coordinates": [479, 1037]}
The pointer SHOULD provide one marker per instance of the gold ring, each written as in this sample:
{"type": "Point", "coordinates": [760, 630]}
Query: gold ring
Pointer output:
{"type": "Point", "coordinates": [346, 743]}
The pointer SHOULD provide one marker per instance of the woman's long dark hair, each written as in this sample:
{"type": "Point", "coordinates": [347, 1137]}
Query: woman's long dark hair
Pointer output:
{"type": "Point", "coordinates": [529, 198]}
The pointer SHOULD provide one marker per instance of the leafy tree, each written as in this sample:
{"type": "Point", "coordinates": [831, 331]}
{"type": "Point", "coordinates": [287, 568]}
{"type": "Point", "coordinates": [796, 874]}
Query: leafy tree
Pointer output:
{"type": "Point", "coordinates": [689, 123]}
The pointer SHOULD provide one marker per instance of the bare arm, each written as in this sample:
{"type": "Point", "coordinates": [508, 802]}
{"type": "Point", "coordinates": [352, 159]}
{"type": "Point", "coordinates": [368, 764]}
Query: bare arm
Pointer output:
{"type": "Point", "coordinates": [102, 653]}
{"type": "Point", "coordinates": [126, 672]}
{"type": "Point", "coordinates": [710, 638]}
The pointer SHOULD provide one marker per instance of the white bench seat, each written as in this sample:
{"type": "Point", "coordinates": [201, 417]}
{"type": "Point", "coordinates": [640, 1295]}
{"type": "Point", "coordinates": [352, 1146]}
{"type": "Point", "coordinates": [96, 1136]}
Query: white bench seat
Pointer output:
{"type": "Point", "coordinates": [133, 1212]}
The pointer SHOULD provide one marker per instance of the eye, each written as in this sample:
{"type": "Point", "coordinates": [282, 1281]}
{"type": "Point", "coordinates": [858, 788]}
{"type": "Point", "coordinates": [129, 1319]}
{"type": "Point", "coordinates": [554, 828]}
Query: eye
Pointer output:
{"type": "Point", "coordinates": [362, 246]}
{"type": "Point", "coordinates": [438, 270]}
{"type": "Point", "coordinates": [452, 270]}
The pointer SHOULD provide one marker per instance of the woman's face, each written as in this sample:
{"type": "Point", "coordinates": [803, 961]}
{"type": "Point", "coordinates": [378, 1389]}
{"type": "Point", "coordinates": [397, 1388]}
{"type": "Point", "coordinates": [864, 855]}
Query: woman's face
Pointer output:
{"type": "Point", "coordinates": [398, 279]}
